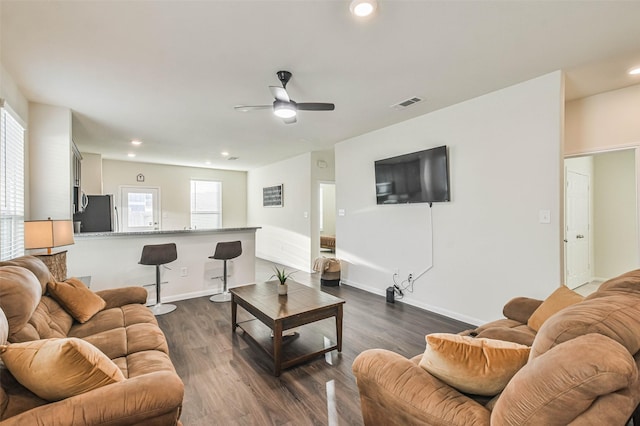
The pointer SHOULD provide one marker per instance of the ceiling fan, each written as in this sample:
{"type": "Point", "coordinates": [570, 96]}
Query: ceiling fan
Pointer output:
{"type": "Point", "coordinates": [285, 107]}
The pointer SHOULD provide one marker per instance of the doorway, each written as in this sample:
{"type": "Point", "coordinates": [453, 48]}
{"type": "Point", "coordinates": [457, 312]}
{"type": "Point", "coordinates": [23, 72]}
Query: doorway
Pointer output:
{"type": "Point", "coordinates": [140, 208]}
{"type": "Point", "coordinates": [327, 216]}
{"type": "Point", "coordinates": [601, 217]}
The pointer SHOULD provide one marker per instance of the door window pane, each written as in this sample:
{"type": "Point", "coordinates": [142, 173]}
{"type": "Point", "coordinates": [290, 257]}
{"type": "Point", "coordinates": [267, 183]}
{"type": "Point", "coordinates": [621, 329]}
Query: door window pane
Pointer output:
{"type": "Point", "coordinates": [140, 210]}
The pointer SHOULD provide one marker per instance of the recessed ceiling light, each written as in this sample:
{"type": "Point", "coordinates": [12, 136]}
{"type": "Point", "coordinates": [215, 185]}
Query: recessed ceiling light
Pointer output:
{"type": "Point", "coordinates": [363, 8]}
{"type": "Point", "coordinates": [136, 142]}
{"type": "Point", "coordinates": [224, 153]}
{"type": "Point", "coordinates": [634, 71]}
{"type": "Point", "coordinates": [131, 154]}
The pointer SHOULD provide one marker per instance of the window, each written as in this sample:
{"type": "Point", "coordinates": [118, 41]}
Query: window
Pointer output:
{"type": "Point", "coordinates": [206, 204]}
{"type": "Point", "coordinates": [11, 185]}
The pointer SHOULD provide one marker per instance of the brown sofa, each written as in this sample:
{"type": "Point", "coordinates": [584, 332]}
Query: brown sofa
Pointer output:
{"type": "Point", "coordinates": [582, 370]}
{"type": "Point", "coordinates": [151, 393]}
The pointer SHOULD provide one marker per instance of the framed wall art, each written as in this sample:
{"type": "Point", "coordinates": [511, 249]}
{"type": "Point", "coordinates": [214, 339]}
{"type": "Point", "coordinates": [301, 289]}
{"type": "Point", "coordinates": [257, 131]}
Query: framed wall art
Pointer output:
{"type": "Point", "coordinates": [272, 196]}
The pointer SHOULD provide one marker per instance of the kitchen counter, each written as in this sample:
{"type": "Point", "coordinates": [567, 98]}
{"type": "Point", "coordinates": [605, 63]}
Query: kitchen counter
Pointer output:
{"type": "Point", "coordinates": [111, 260]}
{"type": "Point", "coordinates": [164, 232]}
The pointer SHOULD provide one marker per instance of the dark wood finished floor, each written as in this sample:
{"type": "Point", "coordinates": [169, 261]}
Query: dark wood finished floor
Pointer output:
{"type": "Point", "coordinates": [229, 381]}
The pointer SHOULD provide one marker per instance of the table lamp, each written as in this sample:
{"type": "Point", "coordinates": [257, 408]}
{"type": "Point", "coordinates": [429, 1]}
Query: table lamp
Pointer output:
{"type": "Point", "coordinates": [47, 234]}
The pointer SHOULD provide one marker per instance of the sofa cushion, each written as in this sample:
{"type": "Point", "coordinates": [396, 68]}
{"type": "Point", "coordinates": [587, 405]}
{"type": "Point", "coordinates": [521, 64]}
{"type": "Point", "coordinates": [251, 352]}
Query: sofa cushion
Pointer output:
{"type": "Point", "coordinates": [616, 316]}
{"type": "Point", "coordinates": [56, 369]}
{"type": "Point", "coordinates": [113, 318]}
{"type": "Point", "coordinates": [123, 341]}
{"type": "Point", "coordinates": [472, 365]}
{"type": "Point", "coordinates": [34, 265]}
{"type": "Point", "coordinates": [555, 388]}
{"type": "Point", "coordinates": [627, 283]}
{"type": "Point", "coordinates": [76, 299]}
{"type": "Point", "coordinates": [522, 335]}
{"type": "Point", "coordinates": [48, 321]}
{"type": "Point", "coordinates": [20, 293]}
{"type": "Point", "coordinates": [558, 300]}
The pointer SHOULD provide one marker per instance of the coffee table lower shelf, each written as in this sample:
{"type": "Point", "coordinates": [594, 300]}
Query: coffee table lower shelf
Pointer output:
{"type": "Point", "coordinates": [308, 342]}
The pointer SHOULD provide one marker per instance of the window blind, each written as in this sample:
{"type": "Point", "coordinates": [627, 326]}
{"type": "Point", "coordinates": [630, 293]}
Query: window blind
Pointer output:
{"type": "Point", "coordinates": [11, 185]}
{"type": "Point", "coordinates": [206, 204]}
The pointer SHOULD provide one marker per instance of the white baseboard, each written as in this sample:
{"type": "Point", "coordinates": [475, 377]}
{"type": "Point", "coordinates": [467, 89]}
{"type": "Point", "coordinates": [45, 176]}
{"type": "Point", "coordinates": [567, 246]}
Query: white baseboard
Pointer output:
{"type": "Point", "coordinates": [447, 313]}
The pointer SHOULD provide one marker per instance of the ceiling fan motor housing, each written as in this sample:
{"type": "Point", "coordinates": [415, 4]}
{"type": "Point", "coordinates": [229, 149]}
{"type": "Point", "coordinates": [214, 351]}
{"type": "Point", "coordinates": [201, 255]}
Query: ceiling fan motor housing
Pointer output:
{"type": "Point", "coordinates": [284, 77]}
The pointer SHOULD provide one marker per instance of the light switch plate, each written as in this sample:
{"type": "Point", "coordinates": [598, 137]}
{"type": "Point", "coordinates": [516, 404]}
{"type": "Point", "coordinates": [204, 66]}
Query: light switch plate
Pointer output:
{"type": "Point", "coordinates": [545, 216]}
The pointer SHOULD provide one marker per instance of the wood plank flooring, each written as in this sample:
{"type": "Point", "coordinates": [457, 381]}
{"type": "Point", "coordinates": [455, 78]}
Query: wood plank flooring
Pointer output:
{"type": "Point", "coordinates": [229, 381]}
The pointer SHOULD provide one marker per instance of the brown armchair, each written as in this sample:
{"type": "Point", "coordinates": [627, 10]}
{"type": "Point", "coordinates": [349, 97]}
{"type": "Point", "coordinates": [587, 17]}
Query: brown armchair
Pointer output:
{"type": "Point", "coordinates": [582, 369]}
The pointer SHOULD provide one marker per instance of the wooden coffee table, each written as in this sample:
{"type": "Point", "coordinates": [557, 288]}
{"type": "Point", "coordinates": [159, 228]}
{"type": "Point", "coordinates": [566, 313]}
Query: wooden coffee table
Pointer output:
{"type": "Point", "coordinates": [302, 305]}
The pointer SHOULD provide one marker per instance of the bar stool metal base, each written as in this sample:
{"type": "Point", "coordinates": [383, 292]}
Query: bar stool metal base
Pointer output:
{"type": "Point", "coordinates": [221, 297]}
{"type": "Point", "coordinates": [162, 308]}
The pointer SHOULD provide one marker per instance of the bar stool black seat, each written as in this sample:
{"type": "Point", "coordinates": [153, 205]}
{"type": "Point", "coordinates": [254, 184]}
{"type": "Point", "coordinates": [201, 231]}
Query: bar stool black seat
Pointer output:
{"type": "Point", "coordinates": [225, 251]}
{"type": "Point", "coordinates": [159, 254]}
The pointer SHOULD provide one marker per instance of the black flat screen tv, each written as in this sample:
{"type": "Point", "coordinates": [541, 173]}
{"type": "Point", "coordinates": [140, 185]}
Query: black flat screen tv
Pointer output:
{"type": "Point", "coordinates": [419, 177]}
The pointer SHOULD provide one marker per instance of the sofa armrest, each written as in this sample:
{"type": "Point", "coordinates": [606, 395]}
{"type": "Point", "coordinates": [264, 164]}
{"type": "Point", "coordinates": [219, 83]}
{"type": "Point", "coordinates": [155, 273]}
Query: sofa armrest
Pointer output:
{"type": "Point", "coordinates": [116, 297]}
{"type": "Point", "coordinates": [151, 397]}
{"type": "Point", "coordinates": [396, 391]}
{"type": "Point", "coordinates": [520, 308]}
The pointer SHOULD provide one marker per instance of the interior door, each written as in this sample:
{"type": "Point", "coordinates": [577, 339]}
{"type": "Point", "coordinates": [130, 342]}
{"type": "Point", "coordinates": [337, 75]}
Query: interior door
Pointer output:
{"type": "Point", "coordinates": [140, 208]}
{"type": "Point", "coordinates": [578, 268]}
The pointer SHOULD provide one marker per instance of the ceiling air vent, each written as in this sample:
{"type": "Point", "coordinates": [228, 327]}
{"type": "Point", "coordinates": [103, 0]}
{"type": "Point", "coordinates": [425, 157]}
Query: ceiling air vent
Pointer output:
{"type": "Point", "coordinates": [232, 158]}
{"type": "Point", "coordinates": [406, 103]}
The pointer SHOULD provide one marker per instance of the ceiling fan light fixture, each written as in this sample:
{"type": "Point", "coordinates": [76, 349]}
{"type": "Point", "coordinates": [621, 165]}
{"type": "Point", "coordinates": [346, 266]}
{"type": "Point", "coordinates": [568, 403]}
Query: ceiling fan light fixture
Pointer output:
{"type": "Point", "coordinates": [284, 110]}
{"type": "Point", "coordinates": [363, 8]}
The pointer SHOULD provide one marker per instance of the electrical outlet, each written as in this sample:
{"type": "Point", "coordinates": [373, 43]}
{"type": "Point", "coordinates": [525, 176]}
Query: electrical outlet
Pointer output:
{"type": "Point", "coordinates": [184, 271]}
{"type": "Point", "coordinates": [410, 277]}
{"type": "Point", "coordinates": [396, 271]}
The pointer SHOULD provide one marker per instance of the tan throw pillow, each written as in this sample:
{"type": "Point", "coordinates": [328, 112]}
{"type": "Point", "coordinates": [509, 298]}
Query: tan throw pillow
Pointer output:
{"type": "Point", "coordinates": [56, 369]}
{"type": "Point", "coordinates": [558, 300]}
{"type": "Point", "coordinates": [473, 365]}
{"type": "Point", "coordinates": [77, 299]}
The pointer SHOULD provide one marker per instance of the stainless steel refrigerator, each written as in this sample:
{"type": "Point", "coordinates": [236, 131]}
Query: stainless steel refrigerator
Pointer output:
{"type": "Point", "coordinates": [98, 216]}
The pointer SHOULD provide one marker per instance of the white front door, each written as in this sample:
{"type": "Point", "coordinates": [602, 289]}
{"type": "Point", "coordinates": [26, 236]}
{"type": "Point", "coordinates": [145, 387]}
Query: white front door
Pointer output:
{"type": "Point", "coordinates": [578, 270]}
{"type": "Point", "coordinates": [140, 208]}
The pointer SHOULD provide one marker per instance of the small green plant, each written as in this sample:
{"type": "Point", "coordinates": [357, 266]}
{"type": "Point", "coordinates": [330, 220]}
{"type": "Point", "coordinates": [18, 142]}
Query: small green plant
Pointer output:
{"type": "Point", "coordinates": [281, 275]}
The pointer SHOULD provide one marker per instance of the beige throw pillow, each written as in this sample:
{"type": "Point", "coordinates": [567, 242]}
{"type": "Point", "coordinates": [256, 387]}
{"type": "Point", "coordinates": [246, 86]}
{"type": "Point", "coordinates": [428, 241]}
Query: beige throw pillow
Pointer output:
{"type": "Point", "coordinates": [473, 365]}
{"type": "Point", "coordinates": [56, 369]}
{"type": "Point", "coordinates": [558, 300]}
{"type": "Point", "coordinates": [76, 298]}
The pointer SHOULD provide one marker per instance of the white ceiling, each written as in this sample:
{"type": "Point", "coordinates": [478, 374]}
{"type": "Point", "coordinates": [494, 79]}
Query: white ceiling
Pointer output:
{"type": "Point", "coordinates": [170, 72]}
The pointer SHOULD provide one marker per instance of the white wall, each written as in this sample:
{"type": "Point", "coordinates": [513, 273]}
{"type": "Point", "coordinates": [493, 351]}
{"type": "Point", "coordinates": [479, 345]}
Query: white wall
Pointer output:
{"type": "Point", "coordinates": [91, 176]}
{"type": "Point", "coordinates": [615, 223]}
{"type": "Point", "coordinates": [10, 92]}
{"type": "Point", "coordinates": [604, 121]}
{"type": "Point", "coordinates": [285, 236]}
{"type": "Point", "coordinates": [175, 190]}
{"type": "Point", "coordinates": [488, 244]}
{"type": "Point", "coordinates": [49, 162]}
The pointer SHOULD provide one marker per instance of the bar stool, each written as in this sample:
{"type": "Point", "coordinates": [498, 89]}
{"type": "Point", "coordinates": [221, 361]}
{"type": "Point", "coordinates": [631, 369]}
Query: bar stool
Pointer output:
{"type": "Point", "coordinates": [225, 251]}
{"type": "Point", "coordinates": [159, 254]}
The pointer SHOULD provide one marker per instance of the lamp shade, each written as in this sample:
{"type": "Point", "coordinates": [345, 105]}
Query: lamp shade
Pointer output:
{"type": "Point", "coordinates": [47, 234]}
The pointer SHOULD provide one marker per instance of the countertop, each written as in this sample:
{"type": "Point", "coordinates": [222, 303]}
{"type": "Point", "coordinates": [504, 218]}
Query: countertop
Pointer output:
{"type": "Point", "coordinates": [170, 231]}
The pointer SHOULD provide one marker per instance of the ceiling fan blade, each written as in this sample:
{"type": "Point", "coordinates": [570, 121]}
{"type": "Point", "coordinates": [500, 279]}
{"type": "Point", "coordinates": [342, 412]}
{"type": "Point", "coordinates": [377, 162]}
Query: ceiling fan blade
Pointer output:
{"type": "Point", "coordinates": [315, 106]}
{"type": "Point", "coordinates": [245, 108]}
{"type": "Point", "coordinates": [291, 120]}
{"type": "Point", "coordinates": [280, 93]}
